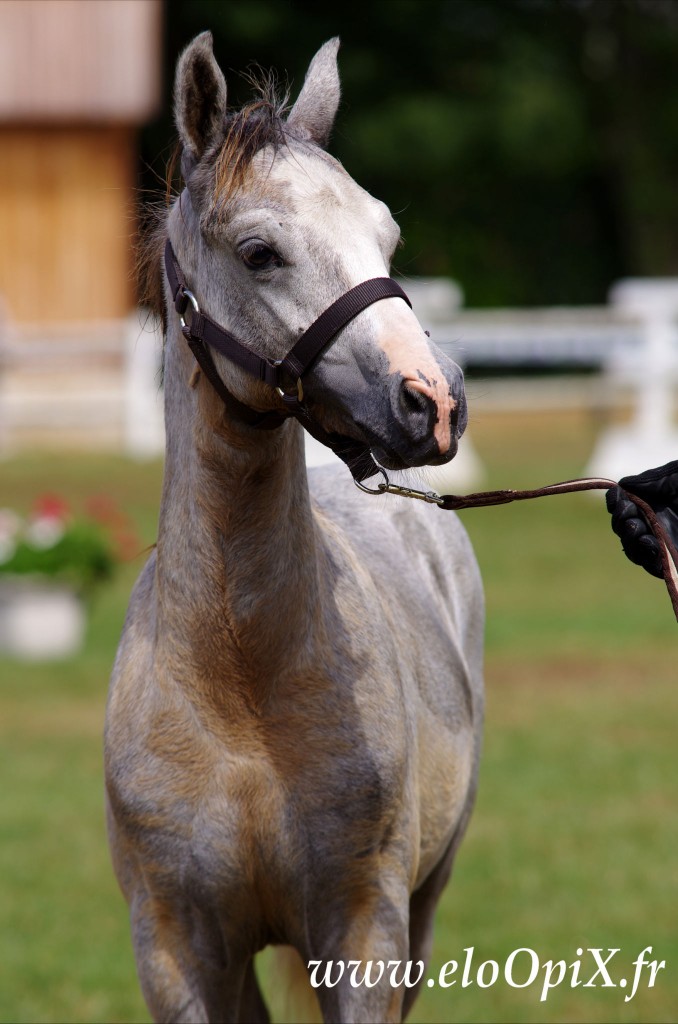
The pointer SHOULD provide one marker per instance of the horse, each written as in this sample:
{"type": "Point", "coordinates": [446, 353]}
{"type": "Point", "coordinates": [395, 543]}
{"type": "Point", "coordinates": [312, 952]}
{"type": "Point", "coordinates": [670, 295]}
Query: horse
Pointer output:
{"type": "Point", "coordinates": [294, 719]}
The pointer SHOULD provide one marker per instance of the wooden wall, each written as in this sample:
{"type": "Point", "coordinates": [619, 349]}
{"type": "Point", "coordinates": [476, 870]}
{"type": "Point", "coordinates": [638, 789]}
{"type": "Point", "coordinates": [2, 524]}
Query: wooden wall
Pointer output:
{"type": "Point", "coordinates": [77, 79]}
{"type": "Point", "coordinates": [67, 216]}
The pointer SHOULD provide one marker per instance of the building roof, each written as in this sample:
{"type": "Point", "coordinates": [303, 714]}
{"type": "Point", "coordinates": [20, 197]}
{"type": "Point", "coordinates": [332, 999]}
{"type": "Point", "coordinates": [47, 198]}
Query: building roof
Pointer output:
{"type": "Point", "coordinates": [65, 60]}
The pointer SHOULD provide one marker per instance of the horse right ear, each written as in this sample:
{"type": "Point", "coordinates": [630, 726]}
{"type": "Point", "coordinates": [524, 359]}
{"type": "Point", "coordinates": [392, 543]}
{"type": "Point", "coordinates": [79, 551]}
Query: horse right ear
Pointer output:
{"type": "Point", "coordinates": [199, 97]}
{"type": "Point", "coordinates": [316, 108]}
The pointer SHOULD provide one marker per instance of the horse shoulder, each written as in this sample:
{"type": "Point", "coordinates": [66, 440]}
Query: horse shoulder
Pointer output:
{"type": "Point", "coordinates": [146, 718]}
{"type": "Point", "coordinates": [426, 577]}
{"type": "Point", "coordinates": [413, 553]}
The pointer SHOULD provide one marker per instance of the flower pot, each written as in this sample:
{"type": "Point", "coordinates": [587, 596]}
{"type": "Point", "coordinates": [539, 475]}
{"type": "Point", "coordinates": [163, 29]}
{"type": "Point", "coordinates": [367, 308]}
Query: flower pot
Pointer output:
{"type": "Point", "coordinates": [39, 619]}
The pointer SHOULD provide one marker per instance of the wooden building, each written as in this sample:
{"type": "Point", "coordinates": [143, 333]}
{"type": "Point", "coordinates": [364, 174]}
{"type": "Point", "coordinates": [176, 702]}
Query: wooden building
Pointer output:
{"type": "Point", "coordinates": [77, 80]}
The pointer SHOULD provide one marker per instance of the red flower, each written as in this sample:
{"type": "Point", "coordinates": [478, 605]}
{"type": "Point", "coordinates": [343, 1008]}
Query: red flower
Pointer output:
{"type": "Point", "coordinates": [104, 509]}
{"type": "Point", "coordinates": [50, 506]}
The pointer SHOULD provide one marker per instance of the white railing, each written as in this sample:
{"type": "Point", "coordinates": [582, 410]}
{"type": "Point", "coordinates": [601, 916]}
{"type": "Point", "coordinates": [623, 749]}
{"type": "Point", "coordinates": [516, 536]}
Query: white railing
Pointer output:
{"type": "Point", "coordinates": [633, 342]}
{"type": "Point", "coordinates": [651, 438]}
{"type": "Point", "coordinates": [88, 386]}
{"type": "Point", "coordinates": [98, 385]}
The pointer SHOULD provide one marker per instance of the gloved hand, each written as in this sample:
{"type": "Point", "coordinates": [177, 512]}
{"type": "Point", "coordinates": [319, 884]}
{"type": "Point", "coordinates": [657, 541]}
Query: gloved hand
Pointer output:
{"type": "Point", "coordinates": [659, 488]}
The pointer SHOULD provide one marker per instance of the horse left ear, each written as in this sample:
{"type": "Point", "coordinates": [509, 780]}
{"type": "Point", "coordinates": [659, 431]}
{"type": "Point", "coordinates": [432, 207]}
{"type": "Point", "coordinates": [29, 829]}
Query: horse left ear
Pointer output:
{"type": "Point", "coordinates": [199, 97]}
{"type": "Point", "coordinates": [316, 108]}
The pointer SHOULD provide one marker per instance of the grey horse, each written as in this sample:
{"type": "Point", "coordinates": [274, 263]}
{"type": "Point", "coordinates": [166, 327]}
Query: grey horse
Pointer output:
{"type": "Point", "coordinates": [294, 721]}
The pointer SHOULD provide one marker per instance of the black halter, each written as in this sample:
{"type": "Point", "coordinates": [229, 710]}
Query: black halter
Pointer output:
{"type": "Point", "coordinates": [285, 375]}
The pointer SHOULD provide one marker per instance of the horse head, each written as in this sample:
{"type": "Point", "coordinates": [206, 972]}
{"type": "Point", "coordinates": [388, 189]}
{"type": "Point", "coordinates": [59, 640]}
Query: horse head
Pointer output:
{"type": "Point", "coordinates": [270, 231]}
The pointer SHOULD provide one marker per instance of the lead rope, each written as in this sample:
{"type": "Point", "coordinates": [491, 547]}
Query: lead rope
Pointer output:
{"type": "Point", "coordinates": [483, 499]}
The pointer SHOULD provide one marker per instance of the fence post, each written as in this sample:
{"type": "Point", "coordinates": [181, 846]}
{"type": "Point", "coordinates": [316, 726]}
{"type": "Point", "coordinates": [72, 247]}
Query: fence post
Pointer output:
{"type": "Point", "coordinates": [651, 438]}
{"type": "Point", "coordinates": [143, 416]}
{"type": "Point", "coordinates": [5, 440]}
{"type": "Point", "coordinates": [436, 302]}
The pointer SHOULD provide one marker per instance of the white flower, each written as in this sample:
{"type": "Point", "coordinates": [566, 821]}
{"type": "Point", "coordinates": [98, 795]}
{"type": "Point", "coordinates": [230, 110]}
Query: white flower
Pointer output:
{"type": "Point", "coordinates": [10, 523]}
{"type": "Point", "coordinates": [44, 532]}
{"type": "Point", "coordinates": [10, 528]}
{"type": "Point", "coordinates": [7, 549]}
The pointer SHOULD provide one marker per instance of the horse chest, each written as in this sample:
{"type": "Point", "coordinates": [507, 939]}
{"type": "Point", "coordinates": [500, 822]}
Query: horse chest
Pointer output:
{"type": "Point", "coordinates": [264, 841]}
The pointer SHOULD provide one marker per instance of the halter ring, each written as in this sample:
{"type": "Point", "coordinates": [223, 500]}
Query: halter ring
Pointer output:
{"type": "Point", "coordinates": [194, 302]}
{"type": "Point", "coordinates": [380, 489]}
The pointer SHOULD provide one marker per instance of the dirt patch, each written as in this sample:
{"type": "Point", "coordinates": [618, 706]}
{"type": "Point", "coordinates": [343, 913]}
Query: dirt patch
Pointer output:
{"type": "Point", "coordinates": [65, 719]}
{"type": "Point", "coordinates": [580, 672]}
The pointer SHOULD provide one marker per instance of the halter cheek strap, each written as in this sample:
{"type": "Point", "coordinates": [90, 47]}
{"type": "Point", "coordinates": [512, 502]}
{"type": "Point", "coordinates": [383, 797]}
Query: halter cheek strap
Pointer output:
{"type": "Point", "coordinates": [285, 375]}
{"type": "Point", "coordinates": [306, 349]}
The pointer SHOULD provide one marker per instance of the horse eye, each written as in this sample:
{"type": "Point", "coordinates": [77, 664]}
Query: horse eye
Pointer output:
{"type": "Point", "coordinates": [258, 256]}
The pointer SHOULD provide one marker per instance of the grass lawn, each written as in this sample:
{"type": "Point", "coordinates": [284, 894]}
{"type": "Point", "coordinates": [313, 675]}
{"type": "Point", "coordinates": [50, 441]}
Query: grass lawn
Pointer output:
{"type": "Point", "coordinates": [574, 842]}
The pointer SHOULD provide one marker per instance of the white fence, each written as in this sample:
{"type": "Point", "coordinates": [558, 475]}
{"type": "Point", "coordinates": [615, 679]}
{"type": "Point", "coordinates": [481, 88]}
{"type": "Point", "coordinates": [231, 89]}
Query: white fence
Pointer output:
{"type": "Point", "coordinates": [633, 343]}
{"type": "Point", "coordinates": [97, 386]}
{"type": "Point", "coordinates": [86, 386]}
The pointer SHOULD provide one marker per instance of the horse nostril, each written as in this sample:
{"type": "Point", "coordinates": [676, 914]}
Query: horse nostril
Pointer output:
{"type": "Point", "coordinates": [413, 401]}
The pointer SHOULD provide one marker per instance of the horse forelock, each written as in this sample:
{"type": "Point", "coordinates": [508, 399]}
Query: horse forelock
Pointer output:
{"type": "Point", "coordinates": [248, 131]}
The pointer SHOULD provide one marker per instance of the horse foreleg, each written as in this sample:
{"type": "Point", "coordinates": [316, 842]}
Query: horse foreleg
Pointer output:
{"type": "Point", "coordinates": [423, 905]}
{"type": "Point", "coordinates": [167, 977]}
{"type": "Point", "coordinates": [184, 972]}
{"type": "Point", "coordinates": [379, 936]}
{"type": "Point", "coordinates": [253, 1009]}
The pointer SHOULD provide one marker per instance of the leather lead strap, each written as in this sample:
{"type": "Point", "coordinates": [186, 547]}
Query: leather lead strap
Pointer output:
{"type": "Point", "coordinates": [668, 553]}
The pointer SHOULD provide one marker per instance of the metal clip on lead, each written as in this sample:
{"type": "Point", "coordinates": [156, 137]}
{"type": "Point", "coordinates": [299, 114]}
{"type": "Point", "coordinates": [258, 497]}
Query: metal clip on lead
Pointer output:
{"type": "Point", "coordinates": [386, 487]}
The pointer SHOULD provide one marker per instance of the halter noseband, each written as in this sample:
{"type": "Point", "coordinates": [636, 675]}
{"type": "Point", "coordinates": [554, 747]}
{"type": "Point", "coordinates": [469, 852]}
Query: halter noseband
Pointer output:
{"type": "Point", "coordinates": [202, 332]}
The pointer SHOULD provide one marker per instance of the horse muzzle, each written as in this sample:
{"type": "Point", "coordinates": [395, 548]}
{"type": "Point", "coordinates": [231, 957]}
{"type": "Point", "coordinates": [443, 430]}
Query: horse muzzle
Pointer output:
{"type": "Point", "coordinates": [420, 421]}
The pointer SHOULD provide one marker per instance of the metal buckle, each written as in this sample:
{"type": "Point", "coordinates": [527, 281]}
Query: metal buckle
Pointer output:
{"type": "Point", "coordinates": [286, 395]}
{"type": "Point", "coordinates": [386, 487]}
{"type": "Point", "coordinates": [196, 309]}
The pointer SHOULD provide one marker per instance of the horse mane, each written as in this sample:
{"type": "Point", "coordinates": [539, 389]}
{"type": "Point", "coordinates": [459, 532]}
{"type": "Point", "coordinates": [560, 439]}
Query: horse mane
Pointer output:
{"type": "Point", "coordinates": [261, 123]}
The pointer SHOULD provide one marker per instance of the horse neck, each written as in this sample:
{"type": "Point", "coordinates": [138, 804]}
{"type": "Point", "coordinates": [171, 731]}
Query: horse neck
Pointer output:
{"type": "Point", "coordinates": [236, 539]}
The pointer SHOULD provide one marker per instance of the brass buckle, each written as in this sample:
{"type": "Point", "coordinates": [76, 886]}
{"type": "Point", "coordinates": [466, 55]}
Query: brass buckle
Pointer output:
{"type": "Point", "coordinates": [286, 395]}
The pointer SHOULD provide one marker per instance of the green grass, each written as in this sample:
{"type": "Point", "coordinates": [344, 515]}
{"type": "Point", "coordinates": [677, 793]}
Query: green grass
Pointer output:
{"type": "Point", "coordinates": [573, 842]}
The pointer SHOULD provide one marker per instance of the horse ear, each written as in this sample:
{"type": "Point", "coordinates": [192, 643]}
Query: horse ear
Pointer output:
{"type": "Point", "coordinates": [199, 96]}
{"type": "Point", "coordinates": [316, 108]}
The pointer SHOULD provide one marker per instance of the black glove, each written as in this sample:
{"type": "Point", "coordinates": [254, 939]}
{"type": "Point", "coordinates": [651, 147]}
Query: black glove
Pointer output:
{"type": "Point", "coordinates": [659, 488]}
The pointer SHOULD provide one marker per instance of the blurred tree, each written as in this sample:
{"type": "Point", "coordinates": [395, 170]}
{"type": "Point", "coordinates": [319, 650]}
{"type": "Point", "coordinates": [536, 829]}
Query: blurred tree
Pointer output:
{"type": "Point", "coordinates": [529, 148]}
